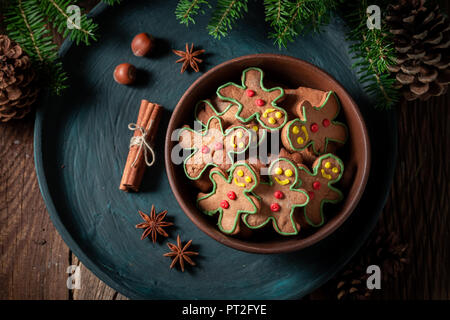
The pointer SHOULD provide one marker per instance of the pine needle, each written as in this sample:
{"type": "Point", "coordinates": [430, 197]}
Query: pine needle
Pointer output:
{"type": "Point", "coordinates": [111, 2]}
{"type": "Point", "coordinates": [26, 25]}
{"type": "Point", "coordinates": [55, 12]}
{"type": "Point", "coordinates": [227, 12]}
{"type": "Point", "coordinates": [186, 10]}
{"type": "Point", "coordinates": [289, 19]}
{"type": "Point", "coordinates": [374, 53]}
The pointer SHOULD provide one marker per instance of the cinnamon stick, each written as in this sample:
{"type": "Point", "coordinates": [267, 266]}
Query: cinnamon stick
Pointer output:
{"type": "Point", "coordinates": [148, 118]}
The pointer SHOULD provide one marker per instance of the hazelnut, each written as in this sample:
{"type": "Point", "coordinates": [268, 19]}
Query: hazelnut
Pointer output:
{"type": "Point", "coordinates": [125, 73]}
{"type": "Point", "coordinates": [142, 44]}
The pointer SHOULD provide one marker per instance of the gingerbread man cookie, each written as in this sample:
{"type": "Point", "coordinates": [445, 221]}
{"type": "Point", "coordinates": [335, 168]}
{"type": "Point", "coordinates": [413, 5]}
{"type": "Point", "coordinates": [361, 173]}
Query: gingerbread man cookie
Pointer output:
{"type": "Point", "coordinates": [231, 196]}
{"type": "Point", "coordinates": [279, 198]}
{"type": "Point", "coordinates": [254, 101]}
{"type": "Point", "coordinates": [212, 147]}
{"type": "Point", "coordinates": [315, 127]}
{"type": "Point", "coordinates": [327, 170]}
{"type": "Point", "coordinates": [294, 96]}
{"type": "Point", "coordinates": [204, 110]}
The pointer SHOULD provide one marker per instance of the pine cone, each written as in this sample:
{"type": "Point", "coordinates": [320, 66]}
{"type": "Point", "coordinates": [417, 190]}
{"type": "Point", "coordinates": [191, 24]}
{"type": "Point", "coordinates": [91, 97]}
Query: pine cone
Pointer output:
{"type": "Point", "coordinates": [351, 284]}
{"type": "Point", "coordinates": [382, 249]}
{"type": "Point", "coordinates": [421, 40]}
{"type": "Point", "coordinates": [17, 89]}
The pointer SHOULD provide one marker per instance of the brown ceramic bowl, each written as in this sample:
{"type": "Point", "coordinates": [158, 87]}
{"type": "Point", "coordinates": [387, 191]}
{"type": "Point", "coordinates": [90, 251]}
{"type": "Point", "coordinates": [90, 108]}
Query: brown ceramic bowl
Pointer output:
{"type": "Point", "coordinates": [291, 72]}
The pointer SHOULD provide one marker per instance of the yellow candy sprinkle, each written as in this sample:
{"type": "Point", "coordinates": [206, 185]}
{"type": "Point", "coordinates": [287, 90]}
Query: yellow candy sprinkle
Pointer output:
{"type": "Point", "coordinates": [335, 170]}
{"type": "Point", "coordinates": [234, 145]}
{"type": "Point", "coordinates": [240, 173]}
{"type": "Point", "coordinates": [248, 179]}
{"type": "Point", "coordinates": [264, 115]}
{"type": "Point", "coordinates": [240, 134]}
{"type": "Point", "coordinates": [255, 128]}
{"type": "Point", "coordinates": [288, 173]}
{"type": "Point", "coordinates": [295, 130]}
{"type": "Point", "coordinates": [327, 165]}
{"type": "Point", "coordinates": [272, 120]}
{"type": "Point", "coordinates": [278, 170]}
{"type": "Point", "coordinates": [278, 115]}
{"type": "Point", "coordinates": [241, 145]}
{"type": "Point", "coordinates": [300, 140]}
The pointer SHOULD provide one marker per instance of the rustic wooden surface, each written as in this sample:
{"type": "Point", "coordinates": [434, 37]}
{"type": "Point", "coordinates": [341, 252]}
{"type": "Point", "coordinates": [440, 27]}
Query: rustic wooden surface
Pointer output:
{"type": "Point", "coordinates": [34, 258]}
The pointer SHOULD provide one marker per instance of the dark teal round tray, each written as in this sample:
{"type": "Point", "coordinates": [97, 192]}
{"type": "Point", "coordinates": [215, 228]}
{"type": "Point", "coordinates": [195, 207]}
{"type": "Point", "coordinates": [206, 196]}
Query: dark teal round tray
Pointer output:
{"type": "Point", "coordinates": [81, 144]}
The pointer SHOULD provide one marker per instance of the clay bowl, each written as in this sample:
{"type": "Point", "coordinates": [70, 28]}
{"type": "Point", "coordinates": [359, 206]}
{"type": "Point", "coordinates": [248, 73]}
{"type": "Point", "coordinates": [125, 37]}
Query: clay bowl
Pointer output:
{"type": "Point", "coordinates": [292, 73]}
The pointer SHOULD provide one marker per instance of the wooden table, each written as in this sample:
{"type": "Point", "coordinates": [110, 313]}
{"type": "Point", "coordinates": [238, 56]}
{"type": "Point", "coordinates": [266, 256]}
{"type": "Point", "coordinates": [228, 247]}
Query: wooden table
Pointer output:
{"type": "Point", "coordinates": [34, 258]}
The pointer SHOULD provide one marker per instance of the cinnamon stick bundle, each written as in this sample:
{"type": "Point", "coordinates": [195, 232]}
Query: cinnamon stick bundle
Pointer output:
{"type": "Point", "coordinates": [148, 119]}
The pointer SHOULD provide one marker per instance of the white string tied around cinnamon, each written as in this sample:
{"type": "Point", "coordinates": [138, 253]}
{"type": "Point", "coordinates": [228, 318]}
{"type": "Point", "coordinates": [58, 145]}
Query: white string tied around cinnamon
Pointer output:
{"type": "Point", "coordinates": [141, 141]}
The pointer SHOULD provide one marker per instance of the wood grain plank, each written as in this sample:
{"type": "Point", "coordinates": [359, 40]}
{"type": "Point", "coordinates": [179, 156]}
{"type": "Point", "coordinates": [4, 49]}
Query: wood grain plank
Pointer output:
{"type": "Point", "coordinates": [92, 288]}
{"type": "Point", "coordinates": [33, 256]}
{"type": "Point", "coordinates": [418, 207]}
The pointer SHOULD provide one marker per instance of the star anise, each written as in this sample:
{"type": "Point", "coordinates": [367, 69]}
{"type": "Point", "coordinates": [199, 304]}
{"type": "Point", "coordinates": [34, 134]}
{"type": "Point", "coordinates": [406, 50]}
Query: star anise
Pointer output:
{"type": "Point", "coordinates": [189, 58]}
{"type": "Point", "coordinates": [153, 224]}
{"type": "Point", "coordinates": [180, 254]}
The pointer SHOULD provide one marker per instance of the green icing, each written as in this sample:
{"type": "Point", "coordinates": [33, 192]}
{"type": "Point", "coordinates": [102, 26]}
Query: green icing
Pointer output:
{"type": "Point", "coordinates": [256, 114]}
{"type": "Point", "coordinates": [315, 173]}
{"type": "Point", "coordinates": [291, 215]}
{"type": "Point", "coordinates": [218, 114]}
{"type": "Point", "coordinates": [327, 140]}
{"type": "Point", "coordinates": [228, 181]}
{"type": "Point", "coordinates": [195, 150]}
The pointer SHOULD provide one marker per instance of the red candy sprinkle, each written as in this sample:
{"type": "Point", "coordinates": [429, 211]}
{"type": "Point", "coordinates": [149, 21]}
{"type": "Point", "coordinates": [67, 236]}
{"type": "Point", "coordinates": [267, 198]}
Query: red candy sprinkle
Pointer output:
{"type": "Point", "coordinates": [278, 194]}
{"type": "Point", "coordinates": [275, 207]}
{"type": "Point", "coordinates": [205, 149]}
{"type": "Point", "coordinates": [316, 185]}
{"type": "Point", "coordinates": [250, 93]}
{"type": "Point", "coordinates": [326, 122]}
{"type": "Point", "coordinates": [224, 204]}
{"type": "Point", "coordinates": [311, 195]}
{"type": "Point", "coordinates": [231, 195]}
{"type": "Point", "coordinates": [260, 102]}
{"type": "Point", "coordinates": [314, 127]}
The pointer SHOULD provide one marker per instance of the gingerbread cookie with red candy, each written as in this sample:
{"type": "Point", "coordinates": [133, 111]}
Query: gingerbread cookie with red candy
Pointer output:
{"type": "Point", "coordinates": [212, 147]}
{"type": "Point", "coordinates": [315, 127]}
{"type": "Point", "coordinates": [231, 196]}
{"type": "Point", "coordinates": [205, 109]}
{"type": "Point", "coordinates": [279, 198]}
{"type": "Point", "coordinates": [327, 170]}
{"type": "Point", "coordinates": [254, 101]}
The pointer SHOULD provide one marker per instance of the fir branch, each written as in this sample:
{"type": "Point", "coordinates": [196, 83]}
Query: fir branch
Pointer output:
{"type": "Point", "coordinates": [56, 13]}
{"type": "Point", "coordinates": [111, 2]}
{"type": "Point", "coordinates": [291, 18]}
{"type": "Point", "coordinates": [373, 49]}
{"type": "Point", "coordinates": [186, 10]}
{"type": "Point", "coordinates": [273, 10]}
{"type": "Point", "coordinates": [286, 31]}
{"type": "Point", "coordinates": [225, 15]}
{"type": "Point", "coordinates": [26, 25]}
